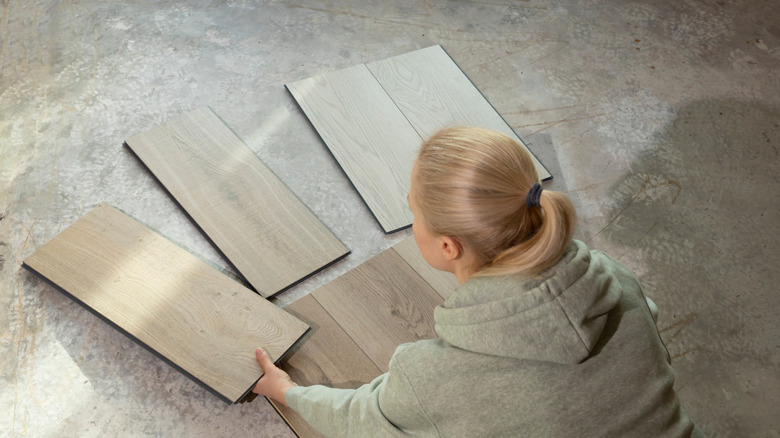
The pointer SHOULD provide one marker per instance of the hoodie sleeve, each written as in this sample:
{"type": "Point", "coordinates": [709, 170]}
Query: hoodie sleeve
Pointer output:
{"type": "Point", "coordinates": [386, 407]}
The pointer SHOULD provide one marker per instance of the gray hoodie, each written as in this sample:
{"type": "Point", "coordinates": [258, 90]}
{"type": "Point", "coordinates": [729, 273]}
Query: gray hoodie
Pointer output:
{"type": "Point", "coordinates": [574, 353]}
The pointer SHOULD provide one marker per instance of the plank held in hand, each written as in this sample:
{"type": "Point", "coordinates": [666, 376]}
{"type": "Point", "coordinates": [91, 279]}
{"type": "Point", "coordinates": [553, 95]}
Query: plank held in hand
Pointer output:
{"type": "Point", "coordinates": [173, 303]}
{"type": "Point", "coordinates": [257, 223]}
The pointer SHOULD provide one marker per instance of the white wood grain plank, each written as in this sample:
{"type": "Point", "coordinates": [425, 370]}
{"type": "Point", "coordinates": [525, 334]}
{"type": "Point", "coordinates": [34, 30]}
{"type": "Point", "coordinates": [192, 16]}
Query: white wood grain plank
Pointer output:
{"type": "Point", "coordinates": [433, 93]}
{"type": "Point", "coordinates": [369, 137]}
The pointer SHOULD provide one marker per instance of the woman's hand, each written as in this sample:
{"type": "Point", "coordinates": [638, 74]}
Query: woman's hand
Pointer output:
{"type": "Point", "coordinates": [275, 382]}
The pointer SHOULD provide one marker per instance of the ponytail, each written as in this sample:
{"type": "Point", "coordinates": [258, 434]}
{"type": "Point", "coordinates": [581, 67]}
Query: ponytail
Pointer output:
{"type": "Point", "coordinates": [547, 242]}
{"type": "Point", "coordinates": [473, 184]}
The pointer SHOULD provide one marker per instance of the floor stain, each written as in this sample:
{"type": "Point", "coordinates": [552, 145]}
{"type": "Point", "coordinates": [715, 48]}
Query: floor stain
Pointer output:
{"type": "Point", "coordinates": [684, 322]}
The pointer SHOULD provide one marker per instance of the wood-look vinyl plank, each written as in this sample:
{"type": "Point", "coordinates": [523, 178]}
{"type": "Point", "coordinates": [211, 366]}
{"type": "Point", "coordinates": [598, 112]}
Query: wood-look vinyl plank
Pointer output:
{"type": "Point", "coordinates": [173, 303]}
{"type": "Point", "coordinates": [381, 304]}
{"type": "Point", "coordinates": [325, 356]}
{"type": "Point", "coordinates": [443, 282]}
{"type": "Point", "coordinates": [256, 222]}
{"type": "Point", "coordinates": [367, 135]}
{"type": "Point", "coordinates": [357, 322]}
{"type": "Point", "coordinates": [433, 93]}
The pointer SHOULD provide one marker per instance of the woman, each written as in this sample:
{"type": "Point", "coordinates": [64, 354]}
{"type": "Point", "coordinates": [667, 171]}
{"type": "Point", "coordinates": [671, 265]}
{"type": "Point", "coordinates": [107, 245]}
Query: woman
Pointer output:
{"type": "Point", "coordinates": [543, 337]}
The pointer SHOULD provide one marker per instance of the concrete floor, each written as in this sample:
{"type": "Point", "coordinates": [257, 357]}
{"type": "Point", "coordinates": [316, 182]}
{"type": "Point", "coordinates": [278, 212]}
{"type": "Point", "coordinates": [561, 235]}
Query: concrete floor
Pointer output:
{"type": "Point", "coordinates": [661, 119]}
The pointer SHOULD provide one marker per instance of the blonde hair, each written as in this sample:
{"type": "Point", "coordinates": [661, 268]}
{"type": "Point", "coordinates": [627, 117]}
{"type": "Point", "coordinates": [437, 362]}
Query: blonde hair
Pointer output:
{"type": "Point", "coordinates": [472, 183]}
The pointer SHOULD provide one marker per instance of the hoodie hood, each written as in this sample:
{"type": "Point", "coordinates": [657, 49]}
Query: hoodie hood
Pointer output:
{"type": "Point", "coordinates": [554, 319]}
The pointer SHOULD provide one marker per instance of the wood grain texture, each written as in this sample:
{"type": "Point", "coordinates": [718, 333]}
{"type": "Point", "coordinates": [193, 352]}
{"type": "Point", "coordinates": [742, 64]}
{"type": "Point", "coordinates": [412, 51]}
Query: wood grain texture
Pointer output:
{"type": "Point", "coordinates": [357, 322]}
{"type": "Point", "coordinates": [169, 300]}
{"type": "Point", "coordinates": [381, 304]}
{"type": "Point", "coordinates": [260, 226]}
{"type": "Point", "coordinates": [369, 137]}
{"type": "Point", "coordinates": [443, 282]}
{"type": "Point", "coordinates": [433, 93]}
{"type": "Point", "coordinates": [325, 356]}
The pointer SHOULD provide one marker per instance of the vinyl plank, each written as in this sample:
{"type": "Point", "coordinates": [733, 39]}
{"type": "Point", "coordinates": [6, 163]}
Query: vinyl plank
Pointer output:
{"type": "Point", "coordinates": [367, 135]}
{"type": "Point", "coordinates": [256, 222]}
{"type": "Point", "coordinates": [357, 322]}
{"type": "Point", "coordinates": [443, 282]}
{"type": "Point", "coordinates": [165, 298]}
{"type": "Point", "coordinates": [381, 304]}
{"type": "Point", "coordinates": [433, 93]}
{"type": "Point", "coordinates": [325, 356]}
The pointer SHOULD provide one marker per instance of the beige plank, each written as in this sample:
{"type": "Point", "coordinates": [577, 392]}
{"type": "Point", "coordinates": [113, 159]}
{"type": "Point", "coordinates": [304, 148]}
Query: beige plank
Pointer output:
{"type": "Point", "coordinates": [433, 93]}
{"type": "Point", "coordinates": [371, 140]}
{"type": "Point", "coordinates": [325, 356]}
{"type": "Point", "coordinates": [167, 299]}
{"type": "Point", "coordinates": [445, 283]}
{"type": "Point", "coordinates": [262, 228]}
{"type": "Point", "coordinates": [381, 304]}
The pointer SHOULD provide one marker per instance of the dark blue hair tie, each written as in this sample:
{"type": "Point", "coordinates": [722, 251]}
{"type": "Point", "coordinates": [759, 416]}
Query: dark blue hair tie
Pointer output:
{"type": "Point", "coordinates": [532, 200]}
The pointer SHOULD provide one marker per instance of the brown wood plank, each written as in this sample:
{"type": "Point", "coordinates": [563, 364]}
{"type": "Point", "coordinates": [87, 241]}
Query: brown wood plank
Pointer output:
{"type": "Point", "coordinates": [371, 140]}
{"type": "Point", "coordinates": [433, 93]}
{"type": "Point", "coordinates": [445, 283]}
{"type": "Point", "coordinates": [169, 300]}
{"type": "Point", "coordinates": [381, 304]}
{"type": "Point", "coordinates": [357, 322]}
{"type": "Point", "coordinates": [260, 226]}
{"type": "Point", "coordinates": [325, 356]}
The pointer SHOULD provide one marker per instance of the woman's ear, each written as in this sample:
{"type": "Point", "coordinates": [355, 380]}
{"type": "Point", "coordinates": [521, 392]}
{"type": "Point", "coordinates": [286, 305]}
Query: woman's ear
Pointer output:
{"type": "Point", "coordinates": [450, 247]}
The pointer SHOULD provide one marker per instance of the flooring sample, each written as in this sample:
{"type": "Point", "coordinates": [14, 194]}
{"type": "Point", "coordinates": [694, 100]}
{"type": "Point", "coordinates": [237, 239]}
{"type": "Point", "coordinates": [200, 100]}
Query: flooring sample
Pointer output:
{"type": "Point", "coordinates": [327, 356]}
{"type": "Point", "coordinates": [381, 304]}
{"type": "Point", "coordinates": [256, 222]}
{"type": "Point", "coordinates": [370, 139]}
{"type": "Point", "coordinates": [445, 283]}
{"type": "Point", "coordinates": [432, 93]}
{"type": "Point", "coordinates": [173, 303]}
{"type": "Point", "coordinates": [373, 117]}
{"type": "Point", "coordinates": [357, 322]}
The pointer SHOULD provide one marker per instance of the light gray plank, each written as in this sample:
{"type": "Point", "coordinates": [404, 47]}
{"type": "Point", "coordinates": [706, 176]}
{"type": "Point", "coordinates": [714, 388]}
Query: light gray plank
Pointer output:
{"type": "Point", "coordinates": [167, 299]}
{"type": "Point", "coordinates": [445, 283]}
{"type": "Point", "coordinates": [262, 228]}
{"type": "Point", "coordinates": [433, 93]}
{"type": "Point", "coordinates": [369, 137]}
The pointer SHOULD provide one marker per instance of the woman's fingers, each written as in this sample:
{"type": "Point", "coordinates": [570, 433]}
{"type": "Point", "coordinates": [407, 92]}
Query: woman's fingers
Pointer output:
{"type": "Point", "coordinates": [263, 359]}
{"type": "Point", "coordinates": [275, 382]}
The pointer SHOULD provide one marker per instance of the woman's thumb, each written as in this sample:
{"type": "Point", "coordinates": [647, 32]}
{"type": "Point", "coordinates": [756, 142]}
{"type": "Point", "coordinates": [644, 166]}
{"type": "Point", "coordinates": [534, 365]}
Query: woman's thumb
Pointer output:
{"type": "Point", "coordinates": [263, 359]}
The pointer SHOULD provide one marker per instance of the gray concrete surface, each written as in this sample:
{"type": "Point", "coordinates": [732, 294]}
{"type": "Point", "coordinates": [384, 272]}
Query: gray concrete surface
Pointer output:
{"type": "Point", "coordinates": [659, 118]}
